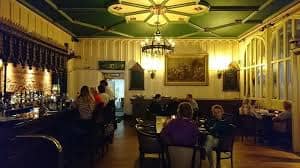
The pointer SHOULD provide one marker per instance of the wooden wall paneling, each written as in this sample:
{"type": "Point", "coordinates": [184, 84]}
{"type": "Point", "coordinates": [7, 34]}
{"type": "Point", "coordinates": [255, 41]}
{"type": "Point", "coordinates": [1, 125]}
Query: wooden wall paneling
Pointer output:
{"type": "Point", "coordinates": [129, 50]}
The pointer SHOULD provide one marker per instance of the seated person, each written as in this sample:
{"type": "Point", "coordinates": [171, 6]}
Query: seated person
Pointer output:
{"type": "Point", "coordinates": [245, 107]}
{"type": "Point", "coordinates": [194, 104]}
{"type": "Point", "coordinates": [217, 128]}
{"type": "Point", "coordinates": [280, 122]}
{"type": "Point", "coordinates": [172, 106]}
{"type": "Point", "coordinates": [249, 109]}
{"type": "Point", "coordinates": [181, 130]}
{"type": "Point", "coordinates": [155, 106]}
{"type": "Point", "coordinates": [97, 97]}
{"type": "Point", "coordinates": [286, 114]}
{"type": "Point", "coordinates": [85, 103]}
{"type": "Point", "coordinates": [104, 96]}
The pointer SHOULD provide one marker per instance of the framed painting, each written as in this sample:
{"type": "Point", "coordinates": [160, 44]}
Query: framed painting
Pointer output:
{"type": "Point", "coordinates": [186, 70]}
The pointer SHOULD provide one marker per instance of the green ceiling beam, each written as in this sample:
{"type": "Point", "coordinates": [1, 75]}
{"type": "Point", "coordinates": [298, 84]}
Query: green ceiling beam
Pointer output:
{"type": "Point", "coordinates": [214, 34]}
{"type": "Point", "coordinates": [237, 22]}
{"type": "Point", "coordinates": [234, 8]}
{"type": "Point", "coordinates": [196, 26]}
{"type": "Point", "coordinates": [181, 5]}
{"type": "Point", "coordinates": [200, 29]}
{"type": "Point", "coordinates": [120, 33]}
{"type": "Point", "coordinates": [88, 25]}
{"type": "Point", "coordinates": [152, 2]}
{"type": "Point", "coordinates": [84, 9]}
{"type": "Point", "coordinates": [115, 24]}
{"type": "Point", "coordinates": [164, 2]}
{"type": "Point", "coordinates": [178, 13]}
{"type": "Point", "coordinates": [148, 17]}
{"type": "Point", "coordinates": [188, 35]}
{"type": "Point", "coordinates": [167, 19]}
{"type": "Point", "coordinates": [49, 2]}
{"type": "Point", "coordinates": [135, 5]}
{"type": "Point", "coordinates": [82, 23]}
{"type": "Point", "coordinates": [263, 6]}
{"type": "Point", "coordinates": [136, 13]}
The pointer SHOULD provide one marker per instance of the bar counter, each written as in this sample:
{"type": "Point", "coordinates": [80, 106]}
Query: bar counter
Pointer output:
{"type": "Point", "coordinates": [24, 139]}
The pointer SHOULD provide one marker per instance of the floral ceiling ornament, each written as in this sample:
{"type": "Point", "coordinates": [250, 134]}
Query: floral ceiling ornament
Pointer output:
{"type": "Point", "coordinates": [158, 12]}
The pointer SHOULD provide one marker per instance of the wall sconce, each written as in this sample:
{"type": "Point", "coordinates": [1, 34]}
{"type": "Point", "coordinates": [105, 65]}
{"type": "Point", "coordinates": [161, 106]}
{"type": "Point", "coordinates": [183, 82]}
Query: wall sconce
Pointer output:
{"type": "Point", "coordinates": [1, 64]}
{"type": "Point", "coordinates": [152, 73]}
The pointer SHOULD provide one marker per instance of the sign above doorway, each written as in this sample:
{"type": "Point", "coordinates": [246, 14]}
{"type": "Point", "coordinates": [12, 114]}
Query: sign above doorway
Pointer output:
{"type": "Point", "coordinates": [111, 65]}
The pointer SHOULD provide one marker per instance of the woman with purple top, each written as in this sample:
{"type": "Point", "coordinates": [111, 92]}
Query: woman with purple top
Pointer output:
{"type": "Point", "coordinates": [182, 130]}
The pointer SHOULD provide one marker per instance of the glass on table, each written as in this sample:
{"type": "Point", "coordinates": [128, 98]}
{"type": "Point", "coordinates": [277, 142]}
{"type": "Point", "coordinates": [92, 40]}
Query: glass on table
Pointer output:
{"type": "Point", "coordinates": [173, 116]}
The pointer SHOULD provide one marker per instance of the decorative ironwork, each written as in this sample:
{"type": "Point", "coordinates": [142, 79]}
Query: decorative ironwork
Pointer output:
{"type": "Point", "coordinates": [20, 47]}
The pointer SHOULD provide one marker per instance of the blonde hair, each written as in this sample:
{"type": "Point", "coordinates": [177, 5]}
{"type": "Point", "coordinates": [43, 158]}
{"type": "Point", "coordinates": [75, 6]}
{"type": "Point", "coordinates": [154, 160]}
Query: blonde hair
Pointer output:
{"type": "Point", "coordinates": [85, 94]}
{"type": "Point", "coordinates": [216, 106]}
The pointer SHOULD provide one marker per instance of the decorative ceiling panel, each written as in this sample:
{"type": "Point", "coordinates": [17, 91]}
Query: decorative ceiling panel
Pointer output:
{"type": "Point", "coordinates": [236, 2]}
{"type": "Point", "coordinates": [206, 20]}
{"type": "Point", "coordinates": [225, 18]}
{"type": "Point", "coordinates": [177, 2]}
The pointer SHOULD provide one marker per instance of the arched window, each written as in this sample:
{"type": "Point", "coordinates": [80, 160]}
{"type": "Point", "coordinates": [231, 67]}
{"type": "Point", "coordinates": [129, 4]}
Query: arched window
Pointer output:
{"type": "Point", "coordinates": [255, 70]}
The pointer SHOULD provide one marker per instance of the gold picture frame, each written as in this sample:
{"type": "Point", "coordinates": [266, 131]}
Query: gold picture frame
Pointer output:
{"type": "Point", "coordinates": [186, 70]}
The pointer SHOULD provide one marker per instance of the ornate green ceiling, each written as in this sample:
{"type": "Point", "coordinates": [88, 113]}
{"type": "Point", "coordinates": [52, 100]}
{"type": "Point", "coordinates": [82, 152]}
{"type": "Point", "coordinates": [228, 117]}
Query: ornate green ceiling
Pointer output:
{"type": "Point", "coordinates": [90, 18]}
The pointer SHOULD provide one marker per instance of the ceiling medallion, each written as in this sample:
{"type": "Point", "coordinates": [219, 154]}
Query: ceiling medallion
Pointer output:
{"type": "Point", "coordinates": [158, 12]}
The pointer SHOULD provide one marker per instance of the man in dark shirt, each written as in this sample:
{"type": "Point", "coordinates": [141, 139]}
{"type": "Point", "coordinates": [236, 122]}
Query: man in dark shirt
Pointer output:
{"type": "Point", "coordinates": [155, 106]}
{"type": "Point", "coordinates": [217, 128]}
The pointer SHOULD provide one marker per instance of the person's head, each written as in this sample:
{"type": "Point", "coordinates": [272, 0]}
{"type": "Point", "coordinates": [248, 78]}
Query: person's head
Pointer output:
{"type": "Point", "coordinates": [246, 101]}
{"type": "Point", "coordinates": [287, 106]}
{"type": "Point", "coordinates": [93, 90]}
{"type": "Point", "coordinates": [253, 102]}
{"type": "Point", "coordinates": [189, 97]}
{"type": "Point", "coordinates": [101, 89]}
{"type": "Point", "coordinates": [217, 111]}
{"type": "Point", "coordinates": [157, 96]}
{"type": "Point", "coordinates": [103, 83]}
{"type": "Point", "coordinates": [184, 110]}
{"type": "Point", "coordinates": [84, 91]}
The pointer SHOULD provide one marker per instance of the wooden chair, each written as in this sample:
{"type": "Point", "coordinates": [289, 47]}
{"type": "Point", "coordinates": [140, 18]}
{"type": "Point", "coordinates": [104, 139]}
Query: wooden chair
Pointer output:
{"type": "Point", "coordinates": [282, 132]}
{"type": "Point", "coordinates": [225, 146]}
{"type": "Point", "coordinates": [149, 143]}
{"type": "Point", "coordinates": [248, 127]}
{"type": "Point", "coordinates": [181, 156]}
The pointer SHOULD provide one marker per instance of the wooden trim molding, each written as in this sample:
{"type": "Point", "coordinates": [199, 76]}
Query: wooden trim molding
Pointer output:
{"type": "Point", "coordinates": [21, 47]}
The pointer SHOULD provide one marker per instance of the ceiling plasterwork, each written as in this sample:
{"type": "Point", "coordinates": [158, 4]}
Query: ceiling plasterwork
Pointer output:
{"type": "Point", "coordinates": [158, 12]}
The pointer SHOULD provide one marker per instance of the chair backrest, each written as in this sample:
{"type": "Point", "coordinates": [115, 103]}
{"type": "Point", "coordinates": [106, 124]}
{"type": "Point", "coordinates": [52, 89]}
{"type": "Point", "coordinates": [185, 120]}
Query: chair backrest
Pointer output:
{"type": "Point", "coordinates": [108, 113]}
{"type": "Point", "coordinates": [248, 124]}
{"type": "Point", "coordinates": [146, 123]}
{"type": "Point", "coordinates": [156, 108]}
{"type": "Point", "coordinates": [148, 141]}
{"type": "Point", "coordinates": [98, 115]}
{"type": "Point", "coordinates": [181, 156]}
{"type": "Point", "coordinates": [226, 141]}
{"type": "Point", "coordinates": [283, 126]}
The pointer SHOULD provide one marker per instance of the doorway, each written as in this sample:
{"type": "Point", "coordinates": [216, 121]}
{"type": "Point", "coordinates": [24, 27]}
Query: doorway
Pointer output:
{"type": "Point", "coordinates": [118, 87]}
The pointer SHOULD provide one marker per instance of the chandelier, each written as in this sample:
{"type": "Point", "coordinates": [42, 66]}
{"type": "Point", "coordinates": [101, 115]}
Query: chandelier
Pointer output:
{"type": "Point", "coordinates": [157, 45]}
